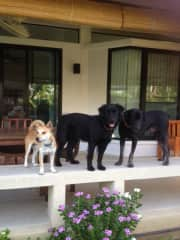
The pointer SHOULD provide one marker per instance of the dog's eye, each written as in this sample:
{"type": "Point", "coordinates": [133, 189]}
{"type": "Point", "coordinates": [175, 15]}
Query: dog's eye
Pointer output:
{"type": "Point", "coordinates": [43, 132]}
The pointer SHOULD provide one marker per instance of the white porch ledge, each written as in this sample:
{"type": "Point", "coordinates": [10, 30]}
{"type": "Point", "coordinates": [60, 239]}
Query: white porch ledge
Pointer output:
{"type": "Point", "coordinates": [160, 186]}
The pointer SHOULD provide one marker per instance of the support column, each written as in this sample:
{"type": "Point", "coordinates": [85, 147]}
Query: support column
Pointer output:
{"type": "Point", "coordinates": [85, 39]}
{"type": "Point", "coordinates": [56, 197]}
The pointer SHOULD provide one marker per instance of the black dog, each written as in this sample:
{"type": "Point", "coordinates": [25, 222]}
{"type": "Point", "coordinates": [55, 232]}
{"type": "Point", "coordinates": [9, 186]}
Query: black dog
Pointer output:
{"type": "Point", "coordinates": [133, 125]}
{"type": "Point", "coordinates": [96, 130]}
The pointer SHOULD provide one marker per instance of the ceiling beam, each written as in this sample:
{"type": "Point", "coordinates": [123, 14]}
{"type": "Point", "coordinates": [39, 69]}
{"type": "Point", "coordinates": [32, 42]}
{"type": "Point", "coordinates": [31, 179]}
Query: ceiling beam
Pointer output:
{"type": "Point", "coordinates": [14, 27]}
{"type": "Point", "coordinates": [96, 14]}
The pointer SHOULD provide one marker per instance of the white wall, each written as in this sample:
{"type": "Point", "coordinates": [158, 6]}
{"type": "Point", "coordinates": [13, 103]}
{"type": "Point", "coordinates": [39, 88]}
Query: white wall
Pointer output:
{"type": "Point", "coordinates": [86, 91]}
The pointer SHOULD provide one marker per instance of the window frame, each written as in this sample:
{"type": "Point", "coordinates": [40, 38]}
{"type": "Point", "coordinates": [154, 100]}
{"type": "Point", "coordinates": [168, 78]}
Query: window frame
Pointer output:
{"type": "Point", "coordinates": [57, 68]}
{"type": "Point", "coordinates": [144, 69]}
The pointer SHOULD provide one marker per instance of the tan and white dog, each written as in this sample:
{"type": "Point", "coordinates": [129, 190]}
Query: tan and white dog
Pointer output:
{"type": "Point", "coordinates": [41, 141]}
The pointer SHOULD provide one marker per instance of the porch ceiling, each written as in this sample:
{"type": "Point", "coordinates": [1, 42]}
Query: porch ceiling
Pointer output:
{"type": "Point", "coordinates": [170, 5]}
{"type": "Point", "coordinates": [138, 16]}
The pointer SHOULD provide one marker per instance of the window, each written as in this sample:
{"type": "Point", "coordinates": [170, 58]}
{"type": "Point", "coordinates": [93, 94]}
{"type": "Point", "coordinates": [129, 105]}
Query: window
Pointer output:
{"type": "Point", "coordinates": [145, 78]}
{"type": "Point", "coordinates": [30, 82]}
{"type": "Point", "coordinates": [162, 83]}
{"type": "Point", "coordinates": [125, 77]}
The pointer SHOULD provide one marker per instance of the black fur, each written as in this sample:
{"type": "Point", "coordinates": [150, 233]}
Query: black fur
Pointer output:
{"type": "Point", "coordinates": [96, 130]}
{"type": "Point", "coordinates": [133, 125]}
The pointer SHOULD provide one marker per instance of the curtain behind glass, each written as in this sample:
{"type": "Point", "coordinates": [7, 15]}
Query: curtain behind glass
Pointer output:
{"type": "Point", "coordinates": [125, 77]}
{"type": "Point", "coordinates": [162, 83]}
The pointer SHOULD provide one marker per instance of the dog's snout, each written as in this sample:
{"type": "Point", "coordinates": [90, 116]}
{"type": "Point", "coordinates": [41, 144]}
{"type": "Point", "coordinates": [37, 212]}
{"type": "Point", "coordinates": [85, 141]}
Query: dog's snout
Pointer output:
{"type": "Point", "coordinates": [37, 139]}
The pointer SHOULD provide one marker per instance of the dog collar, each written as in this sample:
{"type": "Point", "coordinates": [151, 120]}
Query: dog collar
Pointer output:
{"type": "Point", "coordinates": [48, 144]}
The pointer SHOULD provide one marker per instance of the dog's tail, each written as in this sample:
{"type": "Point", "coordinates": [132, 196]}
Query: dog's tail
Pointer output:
{"type": "Point", "coordinates": [36, 123]}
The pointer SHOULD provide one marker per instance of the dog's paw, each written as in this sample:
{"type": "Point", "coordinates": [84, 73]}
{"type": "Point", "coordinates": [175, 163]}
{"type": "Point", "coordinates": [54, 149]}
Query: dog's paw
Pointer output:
{"type": "Point", "coordinates": [74, 162]}
{"type": "Point", "coordinates": [118, 163]}
{"type": "Point", "coordinates": [91, 168]}
{"type": "Point", "coordinates": [101, 167]}
{"type": "Point", "coordinates": [165, 163]}
{"type": "Point", "coordinates": [58, 164]}
{"type": "Point", "coordinates": [130, 165]}
{"type": "Point", "coordinates": [25, 165]}
{"type": "Point", "coordinates": [53, 170]}
{"type": "Point", "coordinates": [35, 164]}
{"type": "Point", "coordinates": [41, 172]}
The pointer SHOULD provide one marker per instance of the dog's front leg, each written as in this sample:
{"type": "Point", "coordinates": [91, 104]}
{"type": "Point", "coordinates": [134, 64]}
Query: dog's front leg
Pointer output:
{"type": "Point", "coordinates": [121, 156]}
{"type": "Point", "coordinates": [90, 155]}
{"type": "Point", "coordinates": [101, 150]}
{"type": "Point", "coordinates": [35, 156]}
{"type": "Point", "coordinates": [41, 162]}
{"type": "Point", "coordinates": [70, 155]}
{"type": "Point", "coordinates": [131, 156]}
{"type": "Point", "coordinates": [28, 149]}
{"type": "Point", "coordinates": [52, 158]}
{"type": "Point", "coordinates": [165, 150]}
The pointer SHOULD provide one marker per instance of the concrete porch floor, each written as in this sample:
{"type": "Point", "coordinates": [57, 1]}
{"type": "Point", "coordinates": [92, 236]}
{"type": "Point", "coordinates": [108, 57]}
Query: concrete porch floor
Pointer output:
{"type": "Point", "coordinates": [24, 212]}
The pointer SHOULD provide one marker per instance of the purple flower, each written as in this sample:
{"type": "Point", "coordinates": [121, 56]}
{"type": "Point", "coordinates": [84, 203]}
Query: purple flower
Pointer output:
{"type": "Point", "coordinates": [108, 209]}
{"type": "Point", "coordinates": [122, 203]}
{"type": "Point", "coordinates": [88, 196]}
{"type": "Point", "coordinates": [116, 202]}
{"type": "Point", "coordinates": [98, 212]}
{"type": "Point", "coordinates": [68, 238]}
{"type": "Point", "coordinates": [86, 212]}
{"type": "Point", "coordinates": [127, 231]}
{"type": "Point", "coordinates": [134, 216]}
{"type": "Point", "coordinates": [105, 190]}
{"type": "Point", "coordinates": [128, 219]}
{"type": "Point", "coordinates": [61, 207]}
{"type": "Point", "coordinates": [82, 216]}
{"type": "Point", "coordinates": [76, 220]}
{"type": "Point", "coordinates": [71, 214]}
{"type": "Point", "coordinates": [121, 219]}
{"type": "Point", "coordinates": [106, 203]}
{"type": "Point", "coordinates": [61, 229]}
{"type": "Point", "coordinates": [115, 192]}
{"type": "Point", "coordinates": [78, 194]}
{"type": "Point", "coordinates": [105, 238]}
{"type": "Point", "coordinates": [95, 206]}
{"type": "Point", "coordinates": [90, 227]}
{"type": "Point", "coordinates": [56, 234]}
{"type": "Point", "coordinates": [108, 195]}
{"type": "Point", "coordinates": [108, 232]}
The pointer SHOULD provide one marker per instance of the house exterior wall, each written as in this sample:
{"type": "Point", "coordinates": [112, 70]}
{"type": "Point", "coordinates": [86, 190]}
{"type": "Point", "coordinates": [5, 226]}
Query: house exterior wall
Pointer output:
{"type": "Point", "coordinates": [86, 91]}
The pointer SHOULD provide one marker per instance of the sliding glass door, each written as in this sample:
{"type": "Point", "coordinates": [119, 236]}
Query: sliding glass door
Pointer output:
{"type": "Point", "coordinates": [146, 79]}
{"type": "Point", "coordinates": [30, 82]}
{"type": "Point", "coordinates": [162, 82]}
{"type": "Point", "coordinates": [125, 77]}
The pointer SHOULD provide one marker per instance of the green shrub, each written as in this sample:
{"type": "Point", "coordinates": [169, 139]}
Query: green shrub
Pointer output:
{"type": "Point", "coordinates": [4, 235]}
{"type": "Point", "coordinates": [105, 217]}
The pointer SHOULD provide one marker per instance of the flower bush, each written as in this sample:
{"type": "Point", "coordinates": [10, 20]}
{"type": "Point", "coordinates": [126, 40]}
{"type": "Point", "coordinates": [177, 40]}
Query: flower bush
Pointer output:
{"type": "Point", "coordinates": [4, 234]}
{"type": "Point", "coordinates": [107, 216]}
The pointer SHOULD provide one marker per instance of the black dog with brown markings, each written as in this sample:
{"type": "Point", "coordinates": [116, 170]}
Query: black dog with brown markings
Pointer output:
{"type": "Point", "coordinates": [96, 130]}
{"type": "Point", "coordinates": [133, 125]}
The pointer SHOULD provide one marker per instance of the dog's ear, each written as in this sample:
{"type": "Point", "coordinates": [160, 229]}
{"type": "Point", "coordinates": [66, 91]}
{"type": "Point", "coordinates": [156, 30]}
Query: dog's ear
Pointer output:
{"type": "Point", "coordinates": [102, 109]}
{"type": "Point", "coordinates": [49, 125]}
